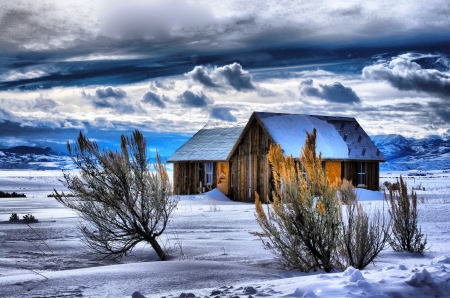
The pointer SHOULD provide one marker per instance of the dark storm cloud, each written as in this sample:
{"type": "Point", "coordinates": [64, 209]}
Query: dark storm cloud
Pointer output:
{"type": "Point", "coordinates": [154, 19]}
{"type": "Point", "coordinates": [155, 99]}
{"type": "Point", "coordinates": [222, 113]}
{"type": "Point", "coordinates": [335, 92]}
{"type": "Point", "coordinates": [441, 110]}
{"type": "Point", "coordinates": [236, 76]}
{"type": "Point", "coordinates": [112, 97]}
{"type": "Point", "coordinates": [116, 93]}
{"type": "Point", "coordinates": [232, 75]}
{"type": "Point", "coordinates": [202, 75]}
{"type": "Point", "coordinates": [195, 100]}
{"type": "Point", "coordinates": [404, 73]}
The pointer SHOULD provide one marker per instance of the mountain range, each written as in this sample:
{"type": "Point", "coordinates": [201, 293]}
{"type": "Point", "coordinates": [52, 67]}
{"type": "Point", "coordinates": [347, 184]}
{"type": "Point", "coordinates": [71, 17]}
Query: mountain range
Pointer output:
{"type": "Point", "coordinates": [33, 158]}
{"type": "Point", "coordinates": [402, 154]}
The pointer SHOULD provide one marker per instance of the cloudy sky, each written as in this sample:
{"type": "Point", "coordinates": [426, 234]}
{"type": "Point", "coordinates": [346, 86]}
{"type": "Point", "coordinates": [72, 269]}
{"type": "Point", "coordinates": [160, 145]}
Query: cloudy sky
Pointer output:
{"type": "Point", "coordinates": [168, 67]}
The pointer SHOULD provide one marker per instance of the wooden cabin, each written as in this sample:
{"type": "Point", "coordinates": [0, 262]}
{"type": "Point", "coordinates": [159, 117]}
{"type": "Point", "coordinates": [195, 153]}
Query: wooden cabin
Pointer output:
{"type": "Point", "coordinates": [232, 157]}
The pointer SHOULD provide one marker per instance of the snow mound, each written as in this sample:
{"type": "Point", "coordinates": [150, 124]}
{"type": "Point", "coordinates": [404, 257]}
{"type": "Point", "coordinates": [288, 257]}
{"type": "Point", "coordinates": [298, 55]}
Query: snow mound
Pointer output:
{"type": "Point", "coordinates": [356, 276]}
{"type": "Point", "coordinates": [349, 271]}
{"type": "Point", "coordinates": [369, 195]}
{"type": "Point", "coordinates": [420, 279]}
{"type": "Point", "coordinates": [299, 293]}
{"type": "Point", "coordinates": [441, 260]}
{"type": "Point", "coordinates": [216, 195]}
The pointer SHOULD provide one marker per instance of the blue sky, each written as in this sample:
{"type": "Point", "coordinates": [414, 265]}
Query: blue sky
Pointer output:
{"type": "Point", "coordinates": [169, 67]}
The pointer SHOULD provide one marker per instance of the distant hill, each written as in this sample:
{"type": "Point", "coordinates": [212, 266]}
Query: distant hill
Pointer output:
{"type": "Point", "coordinates": [405, 154]}
{"type": "Point", "coordinates": [402, 154]}
{"type": "Point", "coordinates": [36, 158]}
{"type": "Point", "coordinates": [31, 150]}
{"type": "Point", "coordinates": [33, 158]}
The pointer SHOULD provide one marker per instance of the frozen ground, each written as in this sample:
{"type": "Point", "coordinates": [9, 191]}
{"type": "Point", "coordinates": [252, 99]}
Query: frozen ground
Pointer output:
{"type": "Point", "coordinates": [212, 253]}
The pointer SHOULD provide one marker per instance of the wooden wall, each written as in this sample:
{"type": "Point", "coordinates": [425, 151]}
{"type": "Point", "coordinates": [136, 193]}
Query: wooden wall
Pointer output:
{"type": "Point", "coordinates": [188, 175]}
{"type": "Point", "coordinates": [350, 172]}
{"type": "Point", "coordinates": [333, 170]}
{"type": "Point", "coordinates": [249, 166]}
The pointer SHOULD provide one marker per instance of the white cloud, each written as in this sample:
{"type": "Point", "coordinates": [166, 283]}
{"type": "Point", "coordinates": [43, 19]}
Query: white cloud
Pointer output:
{"type": "Point", "coordinates": [403, 73]}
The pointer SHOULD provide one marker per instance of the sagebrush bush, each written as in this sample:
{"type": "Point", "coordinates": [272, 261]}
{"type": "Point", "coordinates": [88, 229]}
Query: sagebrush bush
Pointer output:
{"type": "Point", "coordinates": [364, 235]}
{"type": "Point", "coordinates": [303, 225]}
{"type": "Point", "coordinates": [406, 234]}
{"type": "Point", "coordinates": [29, 218]}
{"type": "Point", "coordinates": [122, 202]}
{"type": "Point", "coordinates": [14, 216]}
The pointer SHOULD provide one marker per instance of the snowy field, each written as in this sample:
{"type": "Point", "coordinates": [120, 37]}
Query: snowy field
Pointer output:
{"type": "Point", "coordinates": [211, 251]}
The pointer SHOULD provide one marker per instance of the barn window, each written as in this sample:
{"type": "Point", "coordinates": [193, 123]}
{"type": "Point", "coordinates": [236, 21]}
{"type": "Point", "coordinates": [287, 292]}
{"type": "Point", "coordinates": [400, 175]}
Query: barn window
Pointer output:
{"type": "Point", "coordinates": [208, 173]}
{"type": "Point", "coordinates": [362, 175]}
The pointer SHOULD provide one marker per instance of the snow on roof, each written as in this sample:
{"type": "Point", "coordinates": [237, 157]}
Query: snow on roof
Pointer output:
{"type": "Point", "coordinates": [337, 137]}
{"type": "Point", "coordinates": [213, 142]}
{"type": "Point", "coordinates": [289, 131]}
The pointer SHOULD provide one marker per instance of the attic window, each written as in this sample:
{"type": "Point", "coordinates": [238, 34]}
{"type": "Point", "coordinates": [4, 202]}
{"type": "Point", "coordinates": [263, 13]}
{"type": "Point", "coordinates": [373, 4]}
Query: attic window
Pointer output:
{"type": "Point", "coordinates": [208, 173]}
{"type": "Point", "coordinates": [342, 126]}
{"type": "Point", "coordinates": [363, 152]}
{"type": "Point", "coordinates": [359, 139]}
{"type": "Point", "coordinates": [345, 138]}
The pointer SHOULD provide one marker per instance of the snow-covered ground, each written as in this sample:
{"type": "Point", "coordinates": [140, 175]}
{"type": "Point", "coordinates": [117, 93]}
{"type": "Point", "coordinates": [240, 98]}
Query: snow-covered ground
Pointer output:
{"type": "Point", "coordinates": [212, 252]}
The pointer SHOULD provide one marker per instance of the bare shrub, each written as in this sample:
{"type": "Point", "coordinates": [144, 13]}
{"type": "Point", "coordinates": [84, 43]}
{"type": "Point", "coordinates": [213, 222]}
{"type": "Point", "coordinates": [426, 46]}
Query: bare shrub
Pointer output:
{"type": "Point", "coordinates": [364, 235]}
{"type": "Point", "coordinates": [122, 202]}
{"type": "Point", "coordinates": [407, 236]}
{"type": "Point", "coordinates": [302, 226]}
{"type": "Point", "coordinates": [347, 192]}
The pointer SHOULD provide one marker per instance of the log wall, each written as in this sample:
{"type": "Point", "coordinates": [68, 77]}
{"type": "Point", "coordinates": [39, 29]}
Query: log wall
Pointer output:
{"type": "Point", "coordinates": [188, 175]}
{"type": "Point", "coordinates": [350, 172]}
{"type": "Point", "coordinates": [249, 166]}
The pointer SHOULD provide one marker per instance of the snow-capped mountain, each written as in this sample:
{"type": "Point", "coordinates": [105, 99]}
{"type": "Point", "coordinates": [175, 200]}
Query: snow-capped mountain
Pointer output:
{"type": "Point", "coordinates": [36, 158]}
{"type": "Point", "coordinates": [403, 154]}
{"type": "Point", "coordinates": [33, 158]}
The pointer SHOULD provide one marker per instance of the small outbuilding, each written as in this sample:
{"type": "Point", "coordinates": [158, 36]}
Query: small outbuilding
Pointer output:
{"type": "Point", "coordinates": [232, 157]}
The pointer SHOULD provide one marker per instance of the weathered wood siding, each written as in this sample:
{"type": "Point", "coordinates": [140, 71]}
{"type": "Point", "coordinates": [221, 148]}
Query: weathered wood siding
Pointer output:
{"type": "Point", "coordinates": [333, 170]}
{"type": "Point", "coordinates": [249, 166]}
{"type": "Point", "coordinates": [188, 175]}
{"type": "Point", "coordinates": [350, 172]}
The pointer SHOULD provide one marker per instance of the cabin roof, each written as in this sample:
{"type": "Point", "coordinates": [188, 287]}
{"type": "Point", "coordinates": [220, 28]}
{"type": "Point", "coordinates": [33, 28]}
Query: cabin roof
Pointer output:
{"type": "Point", "coordinates": [213, 142]}
{"type": "Point", "coordinates": [338, 138]}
